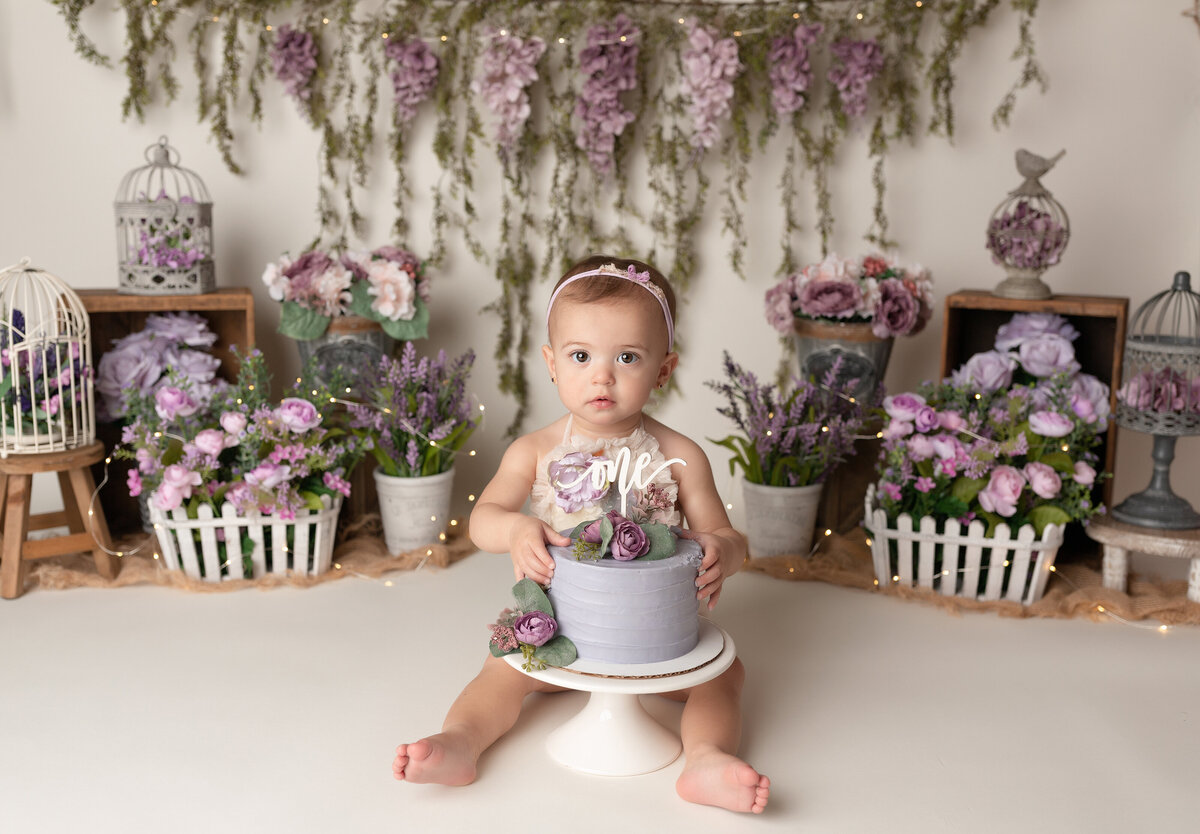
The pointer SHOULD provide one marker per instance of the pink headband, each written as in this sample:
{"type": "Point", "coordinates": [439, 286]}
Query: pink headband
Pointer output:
{"type": "Point", "coordinates": [642, 279]}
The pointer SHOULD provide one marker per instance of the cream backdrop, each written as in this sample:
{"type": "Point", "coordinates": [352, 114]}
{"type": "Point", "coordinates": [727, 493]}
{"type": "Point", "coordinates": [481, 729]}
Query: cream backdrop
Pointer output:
{"type": "Point", "coordinates": [1122, 100]}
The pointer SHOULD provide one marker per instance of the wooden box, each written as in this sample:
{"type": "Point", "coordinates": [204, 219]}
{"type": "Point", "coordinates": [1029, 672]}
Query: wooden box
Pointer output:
{"type": "Point", "coordinates": [230, 314]}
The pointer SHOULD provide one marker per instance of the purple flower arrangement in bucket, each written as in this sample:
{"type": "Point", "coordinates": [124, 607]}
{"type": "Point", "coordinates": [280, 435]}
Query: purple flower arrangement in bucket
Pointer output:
{"type": "Point", "coordinates": [792, 437]}
{"type": "Point", "coordinates": [896, 300]}
{"type": "Point", "coordinates": [1009, 438]}
{"type": "Point", "coordinates": [387, 286]}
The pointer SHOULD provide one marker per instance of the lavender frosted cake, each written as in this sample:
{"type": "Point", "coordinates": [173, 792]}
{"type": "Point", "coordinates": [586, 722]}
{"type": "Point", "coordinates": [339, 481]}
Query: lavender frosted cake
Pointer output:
{"type": "Point", "coordinates": [627, 611]}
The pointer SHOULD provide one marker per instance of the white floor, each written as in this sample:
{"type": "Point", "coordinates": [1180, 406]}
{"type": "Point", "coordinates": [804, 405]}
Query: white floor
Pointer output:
{"type": "Point", "coordinates": [151, 710]}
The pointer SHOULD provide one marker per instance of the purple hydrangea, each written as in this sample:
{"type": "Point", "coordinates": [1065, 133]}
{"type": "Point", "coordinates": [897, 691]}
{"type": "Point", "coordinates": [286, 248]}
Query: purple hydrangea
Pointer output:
{"type": "Point", "coordinates": [710, 66]}
{"type": "Point", "coordinates": [609, 61]}
{"type": "Point", "coordinates": [1026, 237]}
{"type": "Point", "coordinates": [509, 67]}
{"type": "Point", "coordinates": [294, 59]}
{"type": "Point", "coordinates": [856, 63]}
{"type": "Point", "coordinates": [414, 74]}
{"type": "Point", "coordinates": [790, 73]}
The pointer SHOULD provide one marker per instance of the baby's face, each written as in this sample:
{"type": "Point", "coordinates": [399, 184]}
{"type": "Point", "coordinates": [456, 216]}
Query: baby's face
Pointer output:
{"type": "Point", "coordinates": [607, 357]}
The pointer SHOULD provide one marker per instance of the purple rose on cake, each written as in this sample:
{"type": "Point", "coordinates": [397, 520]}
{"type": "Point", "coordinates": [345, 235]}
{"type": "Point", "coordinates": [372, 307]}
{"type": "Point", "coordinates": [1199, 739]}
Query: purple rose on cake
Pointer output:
{"type": "Point", "coordinates": [571, 478]}
{"type": "Point", "coordinates": [629, 541]}
{"type": "Point", "coordinates": [535, 628]}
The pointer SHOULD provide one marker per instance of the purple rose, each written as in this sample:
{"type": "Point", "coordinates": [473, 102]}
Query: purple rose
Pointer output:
{"type": "Point", "coordinates": [829, 299]}
{"type": "Point", "coordinates": [1046, 355]}
{"type": "Point", "coordinates": [1025, 326]}
{"type": "Point", "coordinates": [297, 415]}
{"type": "Point", "coordinates": [1043, 480]}
{"type": "Point", "coordinates": [629, 541]}
{"type": "Point", "coordinates": [574, 487]}
{"type": "Point", "coordinates": [1090, 400]}
{"type": "Point", "coordinates": [897, 312]}
{"type": "Point", "coordinates": [171, 402]}
{"type": "Point", "coordinates": [305, 270]}
{"type": "Point", "coordinates": [1003, 489]}
{"type": "Point", "coordinates": [903, 406]}
{"type": "Point", "coordinates": [1050, 424]}
{"type": "Point", "coordinates": [926, 420]}
{"type": "Point", "coordinates": [591, 533]}
{"type": "Point", "coordinates": [986, 372]}
{"type": "Point", "coordinates": [779, 306]}
{"type": "Point", "coordinates": [535, 628]}
{"type": "Point", "coordinates": [1084, 474]}
{"type": "Point", "coordinates": [196, 365]}
{"type": "Point", "coordinates": [128, 369]}
{"type": "Point", "coordinates": [189, 328]}
{"type": "Point", "coordinates": [268, 475]}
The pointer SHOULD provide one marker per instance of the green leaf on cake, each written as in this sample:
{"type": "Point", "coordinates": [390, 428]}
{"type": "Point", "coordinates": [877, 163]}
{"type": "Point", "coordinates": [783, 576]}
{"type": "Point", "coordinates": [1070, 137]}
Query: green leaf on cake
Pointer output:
{"type": "Point", "coordinates": [662, 542]}
{"type": "Point", "coordinates": [497, 651]}
{"type": "Point", "coordinates": [558, 651]}
{"type": "Point", "coordinates": [530, 597]}
{"type": "Point", "coordinates": [299, 322]}
{"type": "Point", "coordinates": [606, 534]}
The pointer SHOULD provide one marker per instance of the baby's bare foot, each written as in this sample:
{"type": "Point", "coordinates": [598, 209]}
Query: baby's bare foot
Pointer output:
{"type": "Point", "coordinates": [443, 759]}
{"type": "Point", "coordinates": [717, 778]}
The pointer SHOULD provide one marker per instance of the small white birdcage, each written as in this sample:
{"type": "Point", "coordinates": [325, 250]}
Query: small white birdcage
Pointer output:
{"type": "Point", "coordinates": [1028, 231]}
{"type": "Point", "coordinates": [164, 228]}
{"type": "Point", "coordinates": [45, 364]}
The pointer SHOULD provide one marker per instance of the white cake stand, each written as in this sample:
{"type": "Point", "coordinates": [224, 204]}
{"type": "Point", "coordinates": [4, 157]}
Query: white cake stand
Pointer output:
{"type": "Point", "coordinates": [613, 735]}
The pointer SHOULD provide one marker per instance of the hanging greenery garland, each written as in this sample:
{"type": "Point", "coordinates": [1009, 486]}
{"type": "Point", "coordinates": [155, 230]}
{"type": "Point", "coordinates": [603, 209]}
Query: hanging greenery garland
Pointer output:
{"type": "Point", "coordinates": [587, 82]}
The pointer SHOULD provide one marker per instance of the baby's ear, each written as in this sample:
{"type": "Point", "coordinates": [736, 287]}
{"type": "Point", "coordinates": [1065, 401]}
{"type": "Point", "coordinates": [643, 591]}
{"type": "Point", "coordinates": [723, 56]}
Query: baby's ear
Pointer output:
{"type": "Point", "coordinates": [668, 367]}
{"type": "Point", "coordinates": [548, 355]}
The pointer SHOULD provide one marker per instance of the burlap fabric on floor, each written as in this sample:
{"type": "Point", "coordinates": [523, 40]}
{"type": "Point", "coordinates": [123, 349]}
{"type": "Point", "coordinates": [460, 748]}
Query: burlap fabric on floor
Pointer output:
{"type": "Point", "coordinates": [359, 552]}
{"type": "Point", "coordinates": [1075, 590]}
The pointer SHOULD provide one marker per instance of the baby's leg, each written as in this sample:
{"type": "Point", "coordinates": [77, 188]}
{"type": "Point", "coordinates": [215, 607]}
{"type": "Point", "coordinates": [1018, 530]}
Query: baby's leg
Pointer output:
{"type": "Point", "coordinates": [485, 710]}
{"type": "Point", "coordinates": [711, 728]}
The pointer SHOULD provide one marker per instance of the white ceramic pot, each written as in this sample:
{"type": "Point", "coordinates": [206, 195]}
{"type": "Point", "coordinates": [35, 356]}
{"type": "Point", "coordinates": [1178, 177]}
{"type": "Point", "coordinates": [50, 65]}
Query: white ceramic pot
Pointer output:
{"type": "Point", "coordinates": [780, 520]}
{"type": "Point", "coordinates": [414, 510]}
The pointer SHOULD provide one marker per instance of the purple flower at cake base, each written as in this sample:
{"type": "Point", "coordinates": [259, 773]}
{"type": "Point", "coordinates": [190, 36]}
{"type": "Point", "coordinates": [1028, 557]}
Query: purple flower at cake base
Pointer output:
{"type": "Point", "coordinates": [574, 487]}
{"type": "Point", "coordinates": [1047, 355]}
{"type": "Point", "coordinates": [1050, 424]}
{"type": "Point", "coordinates": [926, 420]}
{"type": "Point", "coordinates": [504, 638]}
{"type": "Point", "coordinates": [297, 415]}
{"type": "Point", "coordinates": [171, 402]}
{"type": "Point", "coordinates": [1043, 480]}
{"type": "Point", "coordinates": [1084, 474]}
{"type": "Point", "coordinates": [1024, 326]}
{"type": "Point", "coordinates": [535, 628]}
{"type": "Point", "coordinates": [629, 541]}
{"type": "Point", "coordinates": [986, 372]}
{"type": "Point", "coordinates": [829, 299]}
{"type": "Point", "coordinates": [1002, 492]}
{"type": "Point", "coordinates": [903, 406]}
{"type": "Point", "coordinates": [897, 312]}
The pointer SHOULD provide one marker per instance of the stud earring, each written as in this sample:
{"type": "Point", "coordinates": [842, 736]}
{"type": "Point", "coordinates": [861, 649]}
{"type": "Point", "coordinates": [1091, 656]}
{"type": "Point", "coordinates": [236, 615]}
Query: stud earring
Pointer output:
{"type": "Point", "coordinates": [553, 381]}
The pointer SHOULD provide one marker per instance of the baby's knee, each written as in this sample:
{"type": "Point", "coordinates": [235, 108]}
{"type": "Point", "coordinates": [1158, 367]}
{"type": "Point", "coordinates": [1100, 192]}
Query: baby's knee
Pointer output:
{"type": "Point", "coordinates": [735, 675]}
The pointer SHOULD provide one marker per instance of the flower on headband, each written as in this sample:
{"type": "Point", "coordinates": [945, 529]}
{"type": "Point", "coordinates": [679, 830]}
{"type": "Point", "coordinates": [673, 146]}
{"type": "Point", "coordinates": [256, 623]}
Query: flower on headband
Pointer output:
{"type": "Point", "coordinates": [642, 277]}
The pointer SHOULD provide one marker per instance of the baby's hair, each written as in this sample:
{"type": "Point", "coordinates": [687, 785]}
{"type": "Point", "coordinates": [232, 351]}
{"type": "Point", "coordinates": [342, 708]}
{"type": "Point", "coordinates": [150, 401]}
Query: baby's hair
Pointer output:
{"type": "Point", "coordinates": [604, 287]}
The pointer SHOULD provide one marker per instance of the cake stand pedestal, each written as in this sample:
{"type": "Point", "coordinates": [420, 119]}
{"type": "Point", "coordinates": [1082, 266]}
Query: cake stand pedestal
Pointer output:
{"type": "Point", "coordinates": [613, 735]}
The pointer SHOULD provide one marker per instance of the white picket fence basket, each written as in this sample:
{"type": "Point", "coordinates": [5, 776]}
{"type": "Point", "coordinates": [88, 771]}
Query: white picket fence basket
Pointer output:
{"type": "Point", "coordinates": [953, 562]}
{"type": "Point", "coordinates": [210, 548]}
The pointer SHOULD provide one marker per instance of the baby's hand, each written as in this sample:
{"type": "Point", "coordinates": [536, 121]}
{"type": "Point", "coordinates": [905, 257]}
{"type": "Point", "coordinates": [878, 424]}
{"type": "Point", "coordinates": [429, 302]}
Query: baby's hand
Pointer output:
{"type": "Point", "coordinates": [527, 539]}
{"type": "Point", "coordinates": [722, 558]}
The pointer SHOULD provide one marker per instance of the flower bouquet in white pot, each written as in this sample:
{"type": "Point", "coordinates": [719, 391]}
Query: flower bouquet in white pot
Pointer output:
{"type": "Point", "coordinates": [999, 457]}
{"type": "Point", "coordinates": [416, 419]}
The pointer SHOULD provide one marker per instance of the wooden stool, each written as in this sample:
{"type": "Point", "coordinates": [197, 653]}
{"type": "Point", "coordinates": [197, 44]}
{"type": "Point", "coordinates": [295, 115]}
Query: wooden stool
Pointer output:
{"type": "Point", "coordinates": [1119, 538]}
{"type": "Point", "coordinates": [75, 481]}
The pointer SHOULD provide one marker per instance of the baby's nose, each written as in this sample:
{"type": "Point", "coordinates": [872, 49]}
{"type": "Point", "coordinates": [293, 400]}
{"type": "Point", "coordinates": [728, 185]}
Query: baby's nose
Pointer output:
{"type": "Point", "coordinates": [602, 373]}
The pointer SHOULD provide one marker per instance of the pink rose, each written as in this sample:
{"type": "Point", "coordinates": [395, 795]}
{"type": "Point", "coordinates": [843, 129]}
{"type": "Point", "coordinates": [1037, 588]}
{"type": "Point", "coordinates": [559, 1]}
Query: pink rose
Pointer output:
{"type": "Point", "coordinates": [181, 478]}
{"type": "Point", "coordinates": [926, 420]}
{"type": "Point", "coordinates": [211, 442]}
{"type": "Point", "coordinates": [903, 406]}
{"type": "Point", "coordinates": [1043, 480]}
{"type": "Point", "coordinates": [233, 422]}
{"type": "Point", "coordinates": [951, 421]}
{"type": "Point", "coordinates": [171, 402]}
{"type": "Point", "coordinates": [297, 415]}
{"type": "Point", "coordinates": [1050, 424]}
{"type": "Point", "coordinates": [920, 447]}
{"type": "Point", "coordinates": [167, 497]}
{"type": "Point", "coordinates": [1002, 492]}
{"type": "Point", "coordinates": [947, 447]}
{"type": "Point", "coordinates": [897, 428]}
{"type": "Point", "coordinates": [268, 475]}
{"type": "Point", "coordinates": [1084, 474]}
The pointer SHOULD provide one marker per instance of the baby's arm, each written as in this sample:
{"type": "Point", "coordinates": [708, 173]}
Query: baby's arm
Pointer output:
{"type": "Point", "coordinates": [499, 526]}
{"type": "Point", "coordinates": [724, 547]}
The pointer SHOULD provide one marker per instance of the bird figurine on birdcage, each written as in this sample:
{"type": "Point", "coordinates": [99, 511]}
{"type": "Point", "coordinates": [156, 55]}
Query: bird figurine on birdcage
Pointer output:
{"type": "Point", "coordinates": [164, 228]}
{"type": "Point", "coordinates": [46, 400]}
{"type": "Point", "coordinates": [1028, 231]}
{"type": "Point", "coordinates": [1160, 395]}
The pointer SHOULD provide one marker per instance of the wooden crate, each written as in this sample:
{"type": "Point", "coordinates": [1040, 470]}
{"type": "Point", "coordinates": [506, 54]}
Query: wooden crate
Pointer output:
{"type": "Point", "coordinates": [230, 314]}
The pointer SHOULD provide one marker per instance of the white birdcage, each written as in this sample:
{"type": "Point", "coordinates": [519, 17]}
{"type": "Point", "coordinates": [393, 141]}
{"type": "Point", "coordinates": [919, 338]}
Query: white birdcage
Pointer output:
{"type": "Point", "coordinates": [45, 364]}
{"type": "Point", "coordinates": [164, 228]}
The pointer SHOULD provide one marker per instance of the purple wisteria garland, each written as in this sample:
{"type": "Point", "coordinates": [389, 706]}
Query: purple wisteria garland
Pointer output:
{"type": "Point", "coordinates": [710, 66]}
{"type": "Point", "coordinates": [790, 72]}
{"type": "Point", "coordinates": [509, 67]}
{"type": "Point", "coordinates": [857, 64]}
{"type": "Point", "coordinates": [609, 62]}
{"type": "Point", "coordinates": [414, 74]}
{"type": "Point", "coordinates": [294, 60]}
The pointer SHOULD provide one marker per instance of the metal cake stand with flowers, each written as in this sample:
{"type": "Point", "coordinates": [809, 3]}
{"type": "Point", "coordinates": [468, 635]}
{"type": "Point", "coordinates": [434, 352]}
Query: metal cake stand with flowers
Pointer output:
{"type": "Point", "coordinates": [982, 471]}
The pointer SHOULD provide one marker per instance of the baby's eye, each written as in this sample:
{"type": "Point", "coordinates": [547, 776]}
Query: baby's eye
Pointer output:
{"type": "Point", "coordinates": [627, 358]}
{"type": "Point", "coordinates": [579, 356]}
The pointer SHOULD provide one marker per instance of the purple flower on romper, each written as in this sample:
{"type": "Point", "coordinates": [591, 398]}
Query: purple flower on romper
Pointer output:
{"type": "Point", "coordinates": [413, 75]}
{"type": "Point", "coordinates": [610, 63]}
{"type": "Point", "coordinates": [897, 312]}
{"type": "Point", "coordinates": [535, 628]}
{"type": "Point", "coordinates": [571, 478]}
{"type": "Point", "coordinates": [829, 299]}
